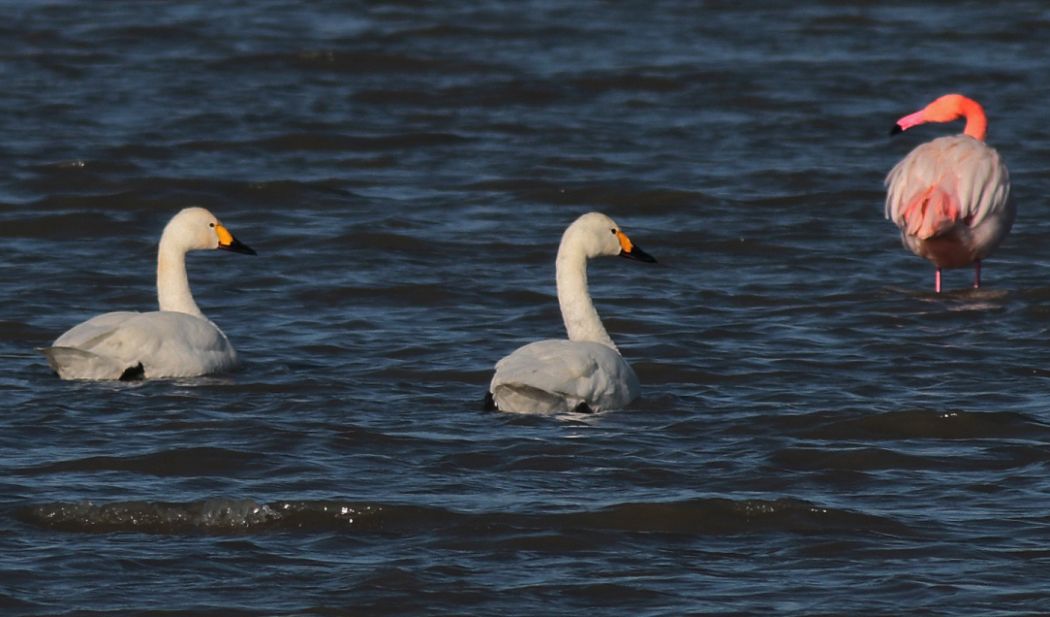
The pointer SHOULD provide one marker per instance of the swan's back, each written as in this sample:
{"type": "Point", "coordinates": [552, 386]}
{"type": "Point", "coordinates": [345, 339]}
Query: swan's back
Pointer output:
{"type": "Point", "coordinates": [557, 376]}
{"type": "Point", "coordinates": [99, 325]}
{"type": "Point", "coordinates": [150, 345]}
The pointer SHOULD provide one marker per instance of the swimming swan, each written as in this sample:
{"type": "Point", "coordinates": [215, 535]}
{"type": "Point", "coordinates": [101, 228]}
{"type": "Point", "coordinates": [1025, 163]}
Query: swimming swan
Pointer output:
{"type": "Point", "coordinates": [585, 373]}
{"type": "Point", "coordinates": [176, 341]}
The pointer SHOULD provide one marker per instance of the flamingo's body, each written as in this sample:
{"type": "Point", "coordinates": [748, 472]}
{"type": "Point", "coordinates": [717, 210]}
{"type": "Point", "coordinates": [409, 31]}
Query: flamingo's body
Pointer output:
{"type": "Point", "coordinates": [950, 197]}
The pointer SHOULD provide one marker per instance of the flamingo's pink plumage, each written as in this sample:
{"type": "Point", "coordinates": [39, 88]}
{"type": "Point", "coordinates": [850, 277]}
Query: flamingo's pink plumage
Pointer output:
{"type": "Point", "coordinates": [950, 197]}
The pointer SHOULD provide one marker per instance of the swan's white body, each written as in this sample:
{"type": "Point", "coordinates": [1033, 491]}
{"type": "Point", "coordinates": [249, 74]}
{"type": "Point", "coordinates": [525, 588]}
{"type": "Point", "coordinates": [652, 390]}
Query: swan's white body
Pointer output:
{"type": "Point", "coordinates": [176, 341]}
{"type": "Point", "coordinates": [586, 372]}
{"type": "Point", "coordinates": [559, 376]}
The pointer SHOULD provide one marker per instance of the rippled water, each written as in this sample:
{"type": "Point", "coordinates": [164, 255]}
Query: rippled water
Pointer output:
{"type": "Point", "coordinates": [818, 432]}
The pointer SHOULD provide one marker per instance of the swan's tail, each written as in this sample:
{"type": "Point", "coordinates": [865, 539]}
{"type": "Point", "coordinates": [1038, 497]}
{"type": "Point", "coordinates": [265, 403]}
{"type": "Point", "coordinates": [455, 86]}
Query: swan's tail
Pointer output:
{"type": "Point", "coordinates": [522, 398]}
{"type": "Point", "coordinates": [73, 363]}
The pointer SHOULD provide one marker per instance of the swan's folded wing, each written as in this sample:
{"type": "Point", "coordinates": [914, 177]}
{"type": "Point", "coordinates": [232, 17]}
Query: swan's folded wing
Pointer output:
{"type": "Point", "coordinates": [71, 355]}
{"type": "Point", "coordinates": [73, 363]}
{"type": "Point", "coordinates": [554, 376]}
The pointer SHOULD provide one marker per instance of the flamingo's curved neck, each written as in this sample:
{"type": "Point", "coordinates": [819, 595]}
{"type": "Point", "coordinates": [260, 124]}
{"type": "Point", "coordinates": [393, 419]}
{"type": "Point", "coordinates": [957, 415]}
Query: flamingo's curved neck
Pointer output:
{"type": "Point", "coordinates": [577, 310]}
{"type": "Point", "coordinates": [976, 122]}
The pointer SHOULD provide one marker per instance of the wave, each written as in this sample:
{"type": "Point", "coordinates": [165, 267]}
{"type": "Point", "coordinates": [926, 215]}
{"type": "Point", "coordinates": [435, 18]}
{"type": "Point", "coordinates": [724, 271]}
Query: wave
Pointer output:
{"type": "Point", "coordinates": [352, 62]}
{"type": "Point", "coordinates": [177, 462]}
{"type": "Point", "coordinates": [700, 516]}
{"type": "Point", "coordinates": [921, 423]}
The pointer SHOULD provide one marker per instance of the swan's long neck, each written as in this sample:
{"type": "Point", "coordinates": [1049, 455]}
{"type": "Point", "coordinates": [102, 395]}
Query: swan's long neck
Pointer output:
{"type": "Point", "coordinates": [173, 286]}
{"type": "Point", "coordinates": [577, 310]}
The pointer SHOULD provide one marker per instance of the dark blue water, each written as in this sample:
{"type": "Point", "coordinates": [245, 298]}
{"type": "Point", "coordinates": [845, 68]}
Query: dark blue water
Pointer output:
{"type": "Point", "coordinates": [818, 432]}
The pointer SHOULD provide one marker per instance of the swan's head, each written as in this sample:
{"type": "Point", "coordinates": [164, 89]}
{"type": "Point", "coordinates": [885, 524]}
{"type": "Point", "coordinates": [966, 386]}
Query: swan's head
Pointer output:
{"type": "Point", "coordinates": [598, 235]}
{"type": "Point", "coordinates": [194, 229]}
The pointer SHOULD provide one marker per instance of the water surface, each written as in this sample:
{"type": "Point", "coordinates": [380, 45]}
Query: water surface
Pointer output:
{"type": "Point", "coordinates": [818, 432]}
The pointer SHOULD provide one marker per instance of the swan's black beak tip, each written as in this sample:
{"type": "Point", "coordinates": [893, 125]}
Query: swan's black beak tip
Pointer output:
{"type": "Point", "coordinates": [639, 254]}
{"type": "Point", "coordinates": [238, 247]}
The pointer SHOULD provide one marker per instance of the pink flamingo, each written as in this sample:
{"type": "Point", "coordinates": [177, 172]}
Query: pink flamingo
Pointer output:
{"type": "Point", "coordinates": [951, 196]}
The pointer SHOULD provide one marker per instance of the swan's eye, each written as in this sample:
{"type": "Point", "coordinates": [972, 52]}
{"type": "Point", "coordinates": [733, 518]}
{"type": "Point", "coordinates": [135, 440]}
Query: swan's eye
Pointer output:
{"type": "Point", "coordinates": [211, 224]}
{"type": "Point", "coordinates": [613, 230]}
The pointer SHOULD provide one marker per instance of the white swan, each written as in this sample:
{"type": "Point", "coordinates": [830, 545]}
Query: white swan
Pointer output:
{"type": "Point", "coordinates": [585, 373]}
{"type": "Point", "coordinates": [176, 341]}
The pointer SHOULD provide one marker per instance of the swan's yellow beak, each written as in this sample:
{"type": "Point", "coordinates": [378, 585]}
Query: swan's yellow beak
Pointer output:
{"type": "Point", "coordinates": [228, 243]}
{"type": "Point", "coordinates": [632, 251]}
